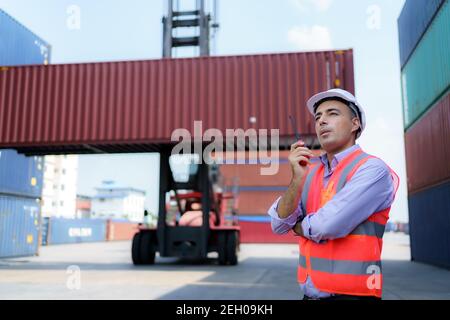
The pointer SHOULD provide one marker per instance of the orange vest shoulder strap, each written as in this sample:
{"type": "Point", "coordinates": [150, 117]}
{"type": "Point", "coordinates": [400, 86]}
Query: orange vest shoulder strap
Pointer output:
{"type": "Point", "coordinates": [307, 185]}
{"type": "Point", "coordinates": [350, 169]}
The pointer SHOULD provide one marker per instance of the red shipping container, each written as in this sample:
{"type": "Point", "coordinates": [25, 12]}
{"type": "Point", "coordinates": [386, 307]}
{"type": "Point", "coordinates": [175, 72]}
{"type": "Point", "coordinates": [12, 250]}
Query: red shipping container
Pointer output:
{"type": "Point", "coordinates": [261, 232]}
{"type": "Point", "coordinates": [427, 145]}
{"type": "Point", "coordinates": [251, 174]}
{"type": "Point", "coordinates": [257, 202]}
{"type": "Point", "coordinates": [134, 106]}
{"type": "Point", "coordinates": [118, 230]}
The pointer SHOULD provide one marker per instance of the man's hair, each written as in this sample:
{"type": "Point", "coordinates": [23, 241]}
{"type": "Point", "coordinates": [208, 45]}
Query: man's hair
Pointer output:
{"type": "Point", "coordinates": [353, 109]}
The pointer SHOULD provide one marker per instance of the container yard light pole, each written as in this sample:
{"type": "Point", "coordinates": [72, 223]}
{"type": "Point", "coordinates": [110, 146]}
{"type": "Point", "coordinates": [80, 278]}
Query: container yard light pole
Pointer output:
{"type": "Point", "coordinates": [177, 19]}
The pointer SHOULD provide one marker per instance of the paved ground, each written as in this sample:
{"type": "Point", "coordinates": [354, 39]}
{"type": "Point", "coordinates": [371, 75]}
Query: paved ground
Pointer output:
{"type": "Point", "coordinates": [264, 272]}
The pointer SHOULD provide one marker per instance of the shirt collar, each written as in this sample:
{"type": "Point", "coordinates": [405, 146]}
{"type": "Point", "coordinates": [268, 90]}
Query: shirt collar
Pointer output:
{"type": "Point", "coordinates": [338, 157]}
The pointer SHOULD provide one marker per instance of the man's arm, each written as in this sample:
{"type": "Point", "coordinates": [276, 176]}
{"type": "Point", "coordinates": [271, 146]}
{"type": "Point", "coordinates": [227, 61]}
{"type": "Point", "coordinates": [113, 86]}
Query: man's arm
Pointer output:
{"type": "Point", "coordinates": [371, 189]}
{"type": "Point", "coordinates": [280, 225]}
{"type": "Point", "coordinates": [289, 201]}
{"type": "Point", "coordinates": [291, 198]}
{"type": "Point", "coordinates": [286, 210]}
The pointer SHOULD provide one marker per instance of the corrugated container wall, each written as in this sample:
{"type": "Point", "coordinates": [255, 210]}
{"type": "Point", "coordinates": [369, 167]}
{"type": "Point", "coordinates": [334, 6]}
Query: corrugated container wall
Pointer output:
{"type": "Point", "coordinates": [19, 226]}
{"type": "Point", "coordinates": [428, 142]}
{"type": "Point", "coordinates": [250, 174]}
{"type": "Point", "coordinates": [20, 175]}
{"type": "Point", "coordinates": [426, 76]}
{"type": "Point", "coordinates": [75, 231]}
{"type": "Point", "coordinates": [257, 191]}
{"type": "Point", "coordinates": [134, 106]}
{"type": "Point", "coordinates": [429, 217]}
{"type": "Point", "coordinates": [258, 200]}
{"type": "Point", "coordinates": [258, 229]}
{"type": "Point", "coordinates": [20, 46]}
{"type": "Point", "coordinates": [413, 22]}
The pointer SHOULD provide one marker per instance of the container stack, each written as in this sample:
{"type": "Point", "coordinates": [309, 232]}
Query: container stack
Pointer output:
{"type": "Point", "coordinates": [21, 177]}
{"type": "Point", "coordinates": [20, 192]}
{"type": "Point", "coordinates": [424, 32]}
{"type": "Point", "coordinates": [19, 45]}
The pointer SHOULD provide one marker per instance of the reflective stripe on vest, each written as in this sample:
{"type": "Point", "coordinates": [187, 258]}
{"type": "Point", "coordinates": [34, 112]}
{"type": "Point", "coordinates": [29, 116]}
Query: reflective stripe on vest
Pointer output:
{"type": "Point", "coordinates": [341, 266]}
{"type": "Point", "coordinates": [307, 185]}
{"type": "Point", "coordinates": [344, 176]}
{"type": "Point", "coordinates": [369, 228]}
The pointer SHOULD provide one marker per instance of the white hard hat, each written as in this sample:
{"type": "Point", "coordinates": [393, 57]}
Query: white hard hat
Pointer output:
{"type": "Point", "coordinates": [339, 93]}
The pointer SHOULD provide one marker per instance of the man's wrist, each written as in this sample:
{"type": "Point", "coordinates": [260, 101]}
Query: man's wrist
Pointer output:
{"type": "Point", "coordinates": [297, 180]}
{"type": "Point", "coordinates": [298, 230]}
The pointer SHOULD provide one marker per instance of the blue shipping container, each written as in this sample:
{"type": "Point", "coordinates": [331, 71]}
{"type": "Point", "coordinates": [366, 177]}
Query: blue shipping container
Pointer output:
{"type": "Point", "coordinates": [45, 221]}
{"type": "Point", "coordinates": [429, 225]}
{"type": "Point", "coordinates": [19, 226]}
{"type": "Point", "coordinates": [76, 230]}
{"type": "Point", "coordinates": [414, 20]}
{"type": "Point", "coordinates": [21, 175]}
{"type": "Point", "coordinates": [20, 46]}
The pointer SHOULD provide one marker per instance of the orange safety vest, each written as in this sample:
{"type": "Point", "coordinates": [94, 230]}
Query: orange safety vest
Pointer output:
{"type": "Point", "coordinates": [350, 265]}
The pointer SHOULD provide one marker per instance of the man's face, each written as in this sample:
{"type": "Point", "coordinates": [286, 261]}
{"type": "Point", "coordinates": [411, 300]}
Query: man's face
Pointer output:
{"type": "Point", "coordinates": [335, 125]}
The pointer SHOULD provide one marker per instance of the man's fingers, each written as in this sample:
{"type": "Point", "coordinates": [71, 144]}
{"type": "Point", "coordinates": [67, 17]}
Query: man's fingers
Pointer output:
{"type": "Point", "coordinates": [303, 151]}
{"type": "Point", "coordinates": [301, 158]}
{"type": "Point", "coordinates": [299, 143]}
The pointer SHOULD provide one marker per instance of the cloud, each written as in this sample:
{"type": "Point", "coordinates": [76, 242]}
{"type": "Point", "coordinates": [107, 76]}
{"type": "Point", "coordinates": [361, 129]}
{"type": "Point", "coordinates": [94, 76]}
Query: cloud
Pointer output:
{"type": "Point", "coordinates": [310, 38]}
{"type": "Point", "coordinates": [307, 5]}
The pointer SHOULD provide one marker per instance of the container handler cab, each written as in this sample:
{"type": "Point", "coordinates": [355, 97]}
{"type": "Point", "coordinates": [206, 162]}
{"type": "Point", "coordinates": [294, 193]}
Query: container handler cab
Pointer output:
{"type": "Point", "coordinates": [203, 222]}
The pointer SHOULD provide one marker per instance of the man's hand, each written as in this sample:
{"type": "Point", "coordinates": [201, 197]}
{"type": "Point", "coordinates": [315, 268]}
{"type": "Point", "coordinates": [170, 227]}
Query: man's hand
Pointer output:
{"type": "Point", "coordinates": [299, 153]}
{"type": "Point", "coordinates": [298, 230]}
{"type": "Point", "coordinates": [289, 201]}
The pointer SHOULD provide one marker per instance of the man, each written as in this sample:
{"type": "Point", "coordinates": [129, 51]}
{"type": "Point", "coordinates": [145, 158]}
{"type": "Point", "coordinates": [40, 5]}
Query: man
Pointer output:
{"type": "Point", "coordinates": [338, 204]}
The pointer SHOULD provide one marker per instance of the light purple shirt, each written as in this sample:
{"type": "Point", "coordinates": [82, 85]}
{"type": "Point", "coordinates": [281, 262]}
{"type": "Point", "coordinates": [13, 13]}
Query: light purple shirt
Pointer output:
{"type": "Point", "coordinates": [371, 189]}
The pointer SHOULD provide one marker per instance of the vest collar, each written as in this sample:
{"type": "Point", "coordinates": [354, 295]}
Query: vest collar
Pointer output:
{"type": "Point", "coordinates": [337, 158]}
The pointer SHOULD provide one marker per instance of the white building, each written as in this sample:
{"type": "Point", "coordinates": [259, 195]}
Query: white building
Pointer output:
{"type": "Point", "coordinates": [114, 202]}
{"type": "Point", "coordinates": [59, 192]}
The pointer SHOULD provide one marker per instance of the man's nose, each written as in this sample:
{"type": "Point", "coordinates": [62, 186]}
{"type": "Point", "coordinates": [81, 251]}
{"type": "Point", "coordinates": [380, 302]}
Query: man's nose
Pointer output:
{"type": "Point", "coordinates": [322, 120]}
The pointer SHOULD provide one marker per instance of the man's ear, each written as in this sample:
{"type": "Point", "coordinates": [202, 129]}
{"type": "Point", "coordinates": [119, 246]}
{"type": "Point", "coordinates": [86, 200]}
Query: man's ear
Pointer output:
{"type": "Point", "coordinates": [355, 124]}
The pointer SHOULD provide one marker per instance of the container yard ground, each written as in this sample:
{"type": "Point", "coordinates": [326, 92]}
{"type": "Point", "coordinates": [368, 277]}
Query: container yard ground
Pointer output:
{"type": "Point", "coordinates": [264, 272]}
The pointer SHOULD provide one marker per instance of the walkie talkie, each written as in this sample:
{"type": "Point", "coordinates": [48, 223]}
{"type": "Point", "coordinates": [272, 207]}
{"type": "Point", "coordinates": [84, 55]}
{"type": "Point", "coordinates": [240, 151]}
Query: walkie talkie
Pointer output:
{"type": "Point", "coordinates": [297, 136]}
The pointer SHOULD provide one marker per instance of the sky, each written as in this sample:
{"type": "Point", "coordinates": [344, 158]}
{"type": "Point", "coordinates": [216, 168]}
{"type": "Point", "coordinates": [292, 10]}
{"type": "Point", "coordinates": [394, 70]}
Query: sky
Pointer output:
{"type": "Point", "coordinates": [112, 30]}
